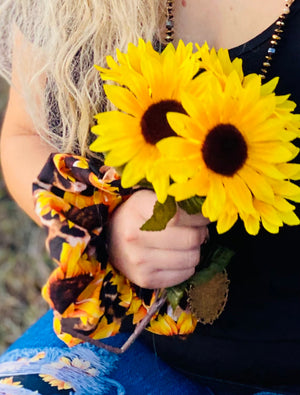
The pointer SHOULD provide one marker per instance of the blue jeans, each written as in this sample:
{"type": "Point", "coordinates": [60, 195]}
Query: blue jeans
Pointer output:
{"type": "Point", "coordinates": [40, 362]}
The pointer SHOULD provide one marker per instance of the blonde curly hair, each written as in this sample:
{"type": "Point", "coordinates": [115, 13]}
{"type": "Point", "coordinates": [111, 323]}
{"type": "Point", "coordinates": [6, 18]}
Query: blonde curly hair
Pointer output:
{"type": "Point", "coordinates": [61, 42]}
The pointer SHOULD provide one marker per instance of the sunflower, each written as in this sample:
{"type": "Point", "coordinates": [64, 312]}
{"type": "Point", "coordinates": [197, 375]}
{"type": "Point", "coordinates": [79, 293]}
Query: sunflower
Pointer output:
{"type": "Point", "coordinates": [150, 84]}
{"type": "Point", "coordinates": [233, 146]}
{"type": "Point", "coordinates": [183, 323]}
{"type": "Point", "coordinates": [219, 63]}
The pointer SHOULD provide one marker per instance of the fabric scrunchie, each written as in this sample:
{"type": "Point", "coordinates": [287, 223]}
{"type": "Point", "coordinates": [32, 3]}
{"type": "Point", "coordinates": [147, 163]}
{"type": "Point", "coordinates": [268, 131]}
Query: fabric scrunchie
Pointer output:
{"type": "Point", "coordinates": [74, 198]}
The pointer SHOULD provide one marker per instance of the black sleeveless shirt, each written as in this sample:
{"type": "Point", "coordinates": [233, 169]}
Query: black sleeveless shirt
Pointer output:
{"type": "Point", "coordinates": [256, 340]}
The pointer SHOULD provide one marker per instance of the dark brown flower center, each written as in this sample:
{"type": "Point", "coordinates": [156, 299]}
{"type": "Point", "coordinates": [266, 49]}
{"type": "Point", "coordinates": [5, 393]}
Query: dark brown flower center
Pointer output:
{"type": "Point", "coordinates": [154, 122]}
{"type": "Point", "coordinates": [224, 150]}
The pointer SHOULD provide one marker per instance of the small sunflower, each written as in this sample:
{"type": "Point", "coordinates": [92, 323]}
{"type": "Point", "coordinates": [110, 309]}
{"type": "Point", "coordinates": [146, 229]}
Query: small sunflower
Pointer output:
{"type": "Point", "coordinates": [182, 323]}
{"type": "Point", "coordinates": [219, 63]}
{"type": "Point", "coordinates": [150, 85]}
{"type": "Point", "coordinates": [234, 145]}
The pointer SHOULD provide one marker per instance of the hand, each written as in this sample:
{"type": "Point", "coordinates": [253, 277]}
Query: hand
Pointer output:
{"type": "Point", "coordinates": [155, 259]}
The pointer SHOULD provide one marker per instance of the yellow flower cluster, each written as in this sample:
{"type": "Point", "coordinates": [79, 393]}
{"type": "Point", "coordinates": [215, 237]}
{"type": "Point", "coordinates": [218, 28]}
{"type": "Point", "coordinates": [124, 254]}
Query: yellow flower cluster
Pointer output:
{"type": "Point", "coordinates": [193, 125]}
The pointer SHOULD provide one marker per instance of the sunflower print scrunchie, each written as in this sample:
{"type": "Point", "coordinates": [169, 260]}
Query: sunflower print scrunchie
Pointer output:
{"type": "Point", "coordinates": [74, 198]}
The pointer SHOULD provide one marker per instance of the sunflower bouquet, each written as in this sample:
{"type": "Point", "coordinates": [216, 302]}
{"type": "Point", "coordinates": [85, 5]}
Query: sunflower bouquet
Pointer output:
{"type": "Point", "coordinates": [205, 137]}
{"type": "Point", "coordinates": [202, 135]}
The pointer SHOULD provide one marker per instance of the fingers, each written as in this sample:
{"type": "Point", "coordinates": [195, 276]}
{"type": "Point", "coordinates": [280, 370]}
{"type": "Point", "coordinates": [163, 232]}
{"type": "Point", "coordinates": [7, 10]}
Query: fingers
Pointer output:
{"type": "Point", "coordinates": [154, 268]}
{"type": "Point", "coordinates": [153, 259]}
{"type": "Point", "coordinates": [175, 238]}
{"type": "Point", "coordinates": [165, 279]}
{"type": "Point", "coordinates": [156, 259]}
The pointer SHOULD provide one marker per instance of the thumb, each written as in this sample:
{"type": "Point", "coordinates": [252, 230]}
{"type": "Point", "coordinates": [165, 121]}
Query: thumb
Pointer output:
{"type": "Point", "coordinates": [143, 203]}
{"type": "Point", "coordinates": [182, 218]}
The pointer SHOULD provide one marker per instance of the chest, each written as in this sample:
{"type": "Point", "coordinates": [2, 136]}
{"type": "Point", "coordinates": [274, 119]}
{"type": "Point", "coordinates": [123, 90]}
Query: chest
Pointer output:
{"type": "Point", "coordinates": [223, 23]}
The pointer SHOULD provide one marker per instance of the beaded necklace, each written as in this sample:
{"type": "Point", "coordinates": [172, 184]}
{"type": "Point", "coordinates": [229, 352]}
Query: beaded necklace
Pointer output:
{"type": "Point", "coordinates": [276, 36]}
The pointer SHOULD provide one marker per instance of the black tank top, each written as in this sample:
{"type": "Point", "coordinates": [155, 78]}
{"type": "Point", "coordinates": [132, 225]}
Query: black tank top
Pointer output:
{"type": "Point", "coordinates": [256, 340]}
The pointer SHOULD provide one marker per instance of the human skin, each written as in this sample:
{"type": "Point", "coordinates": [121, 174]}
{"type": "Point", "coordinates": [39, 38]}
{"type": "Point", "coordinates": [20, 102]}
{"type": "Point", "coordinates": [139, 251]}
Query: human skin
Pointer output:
{"type": "Point", "coordinates": [149, 259]}
{"type": "Point", "coordinates": [22, 151]}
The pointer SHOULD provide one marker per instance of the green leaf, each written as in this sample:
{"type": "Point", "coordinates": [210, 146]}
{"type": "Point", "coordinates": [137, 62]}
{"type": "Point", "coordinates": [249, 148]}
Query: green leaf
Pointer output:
{"type": "Point", "coordinates": [162, 213]}
{"type": "Point", "coordinates": [218, 259]}
{"type": "Point", "coordinates": [145, 184]}
{"type": "Point", "coordinates": [192, 205]}
{"type": "Point", "coordinates": [175, 294]}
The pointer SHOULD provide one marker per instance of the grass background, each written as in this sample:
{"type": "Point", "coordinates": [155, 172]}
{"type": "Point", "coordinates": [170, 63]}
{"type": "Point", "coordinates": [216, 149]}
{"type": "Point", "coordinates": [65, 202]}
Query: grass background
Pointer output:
{"type": "Point", "coordinates": [24, 264]}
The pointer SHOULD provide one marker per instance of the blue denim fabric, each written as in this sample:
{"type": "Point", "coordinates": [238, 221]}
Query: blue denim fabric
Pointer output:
{"type": "Point", "coordinates": [137, 371]}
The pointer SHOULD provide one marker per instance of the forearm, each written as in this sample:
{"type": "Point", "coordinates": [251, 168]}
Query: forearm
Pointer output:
{"type": "Point", "coordinates": [22, 157]}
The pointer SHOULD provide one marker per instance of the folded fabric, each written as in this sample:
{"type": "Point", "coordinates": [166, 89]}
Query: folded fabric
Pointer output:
{"type": "Point", "coordinates": [74, 198]}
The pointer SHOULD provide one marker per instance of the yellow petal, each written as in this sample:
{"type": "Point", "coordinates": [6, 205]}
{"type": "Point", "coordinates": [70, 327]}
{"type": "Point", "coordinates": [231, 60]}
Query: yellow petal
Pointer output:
{"type": "Point", "coordinates": [136, 169]}
{"type": "Point", "coordinates": [257, 184]}
{"type": "Point", "coordinates": [269, 87]}
{"type": "Point", "coordinates": [290, 170]}
{"type": "Point", "coordinates": [229, 66]}
{"type": "Point", "coordinates": [226, 221]}
{"type": "Point", "coordinates": [258, 112]}
{"type": "Point", "coordinates": [163, 325]}
{"type": "Point", "coordinates": [114, 118]}
{"type": "Point", "coordinates": [270, 227]}
{"type": "Point", "coordinates": [160, 181]}
{"type": "Point", "coordinates": [124, 100]}
{"type": "Point", "coordinates": [153, 74]}
{"type": "Point", "coordinates": [184, 190]}
{"type": "Point", "coordinates": [290, 218]}
{"type": "Point", "coordinates": [285, 189]}
{"type": "Point", "coordinates": [239, 193]}
{"type": "Point", "coordinates": [186, 323]}
{"type": "Point", "coordinates": [267, 212]}
{"type": "Point", "coordinates": [139, 87]}
{"type": "Point", "coordinates": [283, 205]}
{"type": "Point", "coordinates": [123, 152]}
{"type": "Point", "coordinates": [265, 168]}
{"type": "Point", "coordinates": [271, 151]}
{"type": "Point", "coordinates": [215, 200]}
{"type": "Point", "coordinates": [198, 185]}
{"type": "Point", "coordinates": [177, 147]}
{"type": "Point", "coordinates": [251, 223]}
{"type": "Point", "coordinates": [110, 134]}
{"type": "Point", "coordinates": [185, 127]}
{"type": "Point", "coordinates": [181, 170]}
{"type": "Point", "coordinates": [266, 131]}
